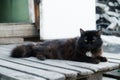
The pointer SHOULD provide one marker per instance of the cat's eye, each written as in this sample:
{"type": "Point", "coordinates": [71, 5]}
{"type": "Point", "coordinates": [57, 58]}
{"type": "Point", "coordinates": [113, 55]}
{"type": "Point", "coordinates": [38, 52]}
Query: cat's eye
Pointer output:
{"type": "Point", "coordinates": [86, 40]}
{"type": "Point", "coordinates": [93, 40]}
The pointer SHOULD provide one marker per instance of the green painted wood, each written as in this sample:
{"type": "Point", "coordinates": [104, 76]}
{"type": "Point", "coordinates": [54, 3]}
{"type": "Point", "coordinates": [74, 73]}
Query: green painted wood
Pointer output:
{"type": "Point", "coordinates": [14, 11]}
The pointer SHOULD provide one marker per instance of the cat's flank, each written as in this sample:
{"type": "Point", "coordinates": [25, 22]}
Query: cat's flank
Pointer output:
{"type": "Point", "coordinates": [75, 49]}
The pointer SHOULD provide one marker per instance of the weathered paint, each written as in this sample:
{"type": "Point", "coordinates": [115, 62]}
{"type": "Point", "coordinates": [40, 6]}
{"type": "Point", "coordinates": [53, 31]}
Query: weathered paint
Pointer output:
{"type": "Point", "coordinates": [14, 11]}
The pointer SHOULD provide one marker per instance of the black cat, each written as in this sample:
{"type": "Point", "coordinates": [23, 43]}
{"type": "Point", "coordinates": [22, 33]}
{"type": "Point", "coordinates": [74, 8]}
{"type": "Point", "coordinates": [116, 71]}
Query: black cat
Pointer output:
{"type": "Point", "coordinates": [74, 49]}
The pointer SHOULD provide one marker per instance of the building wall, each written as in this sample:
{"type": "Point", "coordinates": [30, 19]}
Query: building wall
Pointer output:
{"type": "Point", "coordinates": [14, 11]}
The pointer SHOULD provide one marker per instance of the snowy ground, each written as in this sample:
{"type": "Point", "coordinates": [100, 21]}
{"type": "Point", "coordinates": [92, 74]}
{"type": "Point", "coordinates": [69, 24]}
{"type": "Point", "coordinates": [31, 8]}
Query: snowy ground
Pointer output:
{"type": "Point", "coordinates": [111, 44]}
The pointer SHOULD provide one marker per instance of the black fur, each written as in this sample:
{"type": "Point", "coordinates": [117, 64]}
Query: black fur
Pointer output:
{"type": "Point", "coordinates": [74, 49]}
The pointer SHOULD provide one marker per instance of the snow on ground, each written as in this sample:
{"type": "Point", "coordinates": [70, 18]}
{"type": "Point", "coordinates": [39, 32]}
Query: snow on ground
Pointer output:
{"type": "Point", "coordinates": [111, 39]}
{"type": "Point", "coordinates": [111, 44]}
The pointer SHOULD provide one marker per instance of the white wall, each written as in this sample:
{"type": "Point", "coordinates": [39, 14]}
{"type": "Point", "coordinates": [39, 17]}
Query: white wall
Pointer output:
{"type": "Point", "coordinates": [64, 18]}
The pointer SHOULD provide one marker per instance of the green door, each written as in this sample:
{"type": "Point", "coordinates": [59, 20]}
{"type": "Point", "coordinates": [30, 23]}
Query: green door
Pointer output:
{"type": "Point", "coordinates": [14, 11]}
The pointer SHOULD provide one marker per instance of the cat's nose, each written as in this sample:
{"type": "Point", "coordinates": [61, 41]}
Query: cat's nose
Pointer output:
{"type": "Point", "coordinates": [90, 42]}
{"type": "Point", "coordinates": [89, 45]}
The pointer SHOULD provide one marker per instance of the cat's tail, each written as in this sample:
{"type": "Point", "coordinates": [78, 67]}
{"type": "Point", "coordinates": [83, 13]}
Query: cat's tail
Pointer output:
{"type": "Point", "coordinates": [22, 51]}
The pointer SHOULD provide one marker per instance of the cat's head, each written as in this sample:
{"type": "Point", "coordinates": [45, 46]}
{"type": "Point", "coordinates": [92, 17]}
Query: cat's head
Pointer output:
{"type": "Point", "coordinates": [90, 39]}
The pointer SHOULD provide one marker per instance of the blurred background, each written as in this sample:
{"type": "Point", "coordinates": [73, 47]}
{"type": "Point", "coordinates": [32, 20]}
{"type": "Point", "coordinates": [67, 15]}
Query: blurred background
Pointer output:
{"type": "Point", "coordinates": [108, 16]}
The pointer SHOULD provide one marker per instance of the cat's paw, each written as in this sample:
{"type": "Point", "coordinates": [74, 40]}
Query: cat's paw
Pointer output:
{"type": "Point", "coordinates": [41, 57]}
{"type": "Point", "coordinates": [89, 60]}
{"type": "Point", "coordinates": [102, 59]}
{"type": "Point", "coordinates": [95, 61]}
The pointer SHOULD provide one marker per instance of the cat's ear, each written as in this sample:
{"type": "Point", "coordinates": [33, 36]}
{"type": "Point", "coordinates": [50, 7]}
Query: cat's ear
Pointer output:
{"type": "Point", "coordinates": [99, 32]}
{"type": "Point", "coordinates": [82, 31]}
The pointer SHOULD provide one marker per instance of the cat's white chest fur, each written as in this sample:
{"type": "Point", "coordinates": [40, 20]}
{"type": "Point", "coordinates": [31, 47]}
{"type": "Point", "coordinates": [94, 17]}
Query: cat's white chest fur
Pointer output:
{"type": "Point", "coordinates": [89, 54]}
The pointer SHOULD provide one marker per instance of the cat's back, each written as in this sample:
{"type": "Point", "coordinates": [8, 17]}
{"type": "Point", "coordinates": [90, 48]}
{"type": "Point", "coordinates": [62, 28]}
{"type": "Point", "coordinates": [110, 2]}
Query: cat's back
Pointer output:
{"type": "Point", "coordinates": [58, 43]}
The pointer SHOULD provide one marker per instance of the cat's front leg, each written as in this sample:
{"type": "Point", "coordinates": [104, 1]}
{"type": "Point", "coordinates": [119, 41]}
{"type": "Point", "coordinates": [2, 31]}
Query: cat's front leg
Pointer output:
{"type": "Point", "coordinates": [89, 60]}
{"type": "Point", "coordinates": [40, 56]}
{"type": "Point", "coordinates": [102, 59]}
